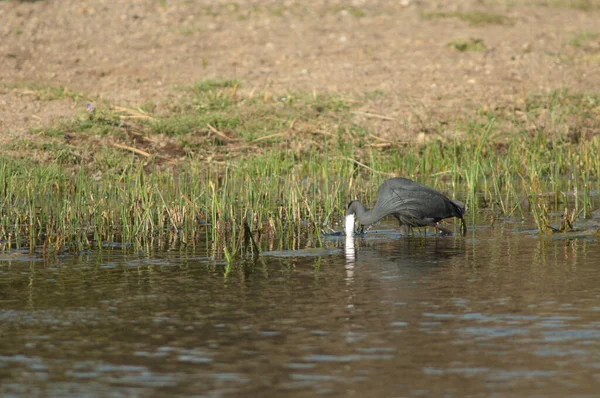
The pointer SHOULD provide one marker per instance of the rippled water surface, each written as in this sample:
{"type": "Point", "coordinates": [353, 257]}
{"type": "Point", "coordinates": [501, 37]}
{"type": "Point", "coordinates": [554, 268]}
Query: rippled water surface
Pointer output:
{"type": "Point", "coordinates": [499, 311]}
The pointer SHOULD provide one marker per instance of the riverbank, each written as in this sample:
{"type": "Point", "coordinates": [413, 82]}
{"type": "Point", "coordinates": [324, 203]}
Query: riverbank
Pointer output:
{"type": "Point", "coordinates": [180, 121]}
{"type": "Point", "coordinates": [200, 166]}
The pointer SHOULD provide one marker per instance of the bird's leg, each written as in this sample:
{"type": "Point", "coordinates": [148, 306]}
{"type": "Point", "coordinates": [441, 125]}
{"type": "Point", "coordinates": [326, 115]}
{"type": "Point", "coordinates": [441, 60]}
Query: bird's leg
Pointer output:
{"type": "Point", "coordinates": [404, 230]}
{"type": "Point", "coordinates": [445, 231]}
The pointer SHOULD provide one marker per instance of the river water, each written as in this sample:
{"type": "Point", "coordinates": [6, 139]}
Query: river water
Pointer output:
{"type": "Point", "coordinates": [500, 312]}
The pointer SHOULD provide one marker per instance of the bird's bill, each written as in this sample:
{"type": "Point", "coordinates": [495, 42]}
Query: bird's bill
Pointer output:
{"type": "Point", "coordinates": [349, 224]}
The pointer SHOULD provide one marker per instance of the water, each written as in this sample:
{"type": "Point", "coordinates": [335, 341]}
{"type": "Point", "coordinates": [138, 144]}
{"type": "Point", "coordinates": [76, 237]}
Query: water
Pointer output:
{"type": "Point", "coordinates": [499, 312]}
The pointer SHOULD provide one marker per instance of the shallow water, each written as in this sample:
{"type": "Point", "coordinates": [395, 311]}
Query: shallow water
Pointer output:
{"type": "Point", "coordinates": [501, 311]}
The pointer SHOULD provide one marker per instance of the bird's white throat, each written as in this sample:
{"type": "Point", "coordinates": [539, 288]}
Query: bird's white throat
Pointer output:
{"type": "Point", "coordinates": [349, 224]}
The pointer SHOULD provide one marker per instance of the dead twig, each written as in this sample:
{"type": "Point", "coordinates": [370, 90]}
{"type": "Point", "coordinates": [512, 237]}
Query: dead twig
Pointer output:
{"type": "Point", "coordinates": [132, 149]}
{"type": "Point", "coordinates": [383, 141]}
{"type": "Point", "coordinates": [142, 136]}
{"type": "Point", "coordinates": [133, 113]}
{"type": "Point", "coordinates": [266, 137]}
{"type": "Point", "coordinates": [374, 115]}
{"type": "Point", "coordinates": [370, 168]}
{"type": "Point", "coordinates": [220, 134]}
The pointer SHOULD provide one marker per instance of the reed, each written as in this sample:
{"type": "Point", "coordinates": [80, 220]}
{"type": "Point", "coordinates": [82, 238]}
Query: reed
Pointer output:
{"type": "Point", "coordinates": [284, 164]}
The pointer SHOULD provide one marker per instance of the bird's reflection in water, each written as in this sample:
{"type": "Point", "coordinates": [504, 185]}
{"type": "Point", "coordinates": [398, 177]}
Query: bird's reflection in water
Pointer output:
{"type": "Point", "coordinates": [384, 249]}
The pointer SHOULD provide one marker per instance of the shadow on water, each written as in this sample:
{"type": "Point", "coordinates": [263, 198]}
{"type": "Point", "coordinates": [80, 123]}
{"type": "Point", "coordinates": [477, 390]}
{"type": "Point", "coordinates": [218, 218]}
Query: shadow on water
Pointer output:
{"type": "Point", "coordinates": [499, 311]}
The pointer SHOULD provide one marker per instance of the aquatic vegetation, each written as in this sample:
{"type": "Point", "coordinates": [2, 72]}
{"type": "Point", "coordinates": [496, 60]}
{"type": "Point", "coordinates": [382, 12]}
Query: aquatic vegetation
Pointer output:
{"type": "Point", "coordinates": [202, 166]}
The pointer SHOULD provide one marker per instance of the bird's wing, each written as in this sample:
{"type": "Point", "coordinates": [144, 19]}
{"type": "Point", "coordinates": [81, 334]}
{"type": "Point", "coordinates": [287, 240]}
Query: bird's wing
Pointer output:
{"type": "Point", "coordinates": [419, 203]}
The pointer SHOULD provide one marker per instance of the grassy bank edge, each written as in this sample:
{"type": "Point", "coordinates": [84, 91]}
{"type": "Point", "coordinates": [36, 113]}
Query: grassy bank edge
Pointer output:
{"type": "Point", "coordinates": [200, 164]}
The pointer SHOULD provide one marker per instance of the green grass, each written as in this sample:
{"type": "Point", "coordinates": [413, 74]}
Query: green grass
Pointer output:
{"type": "Point", "coordinates": [46, 92]}
{"type": "Point", "coordinates": [462, 45]}
{"type": "Point", "coordinates": [585, 5]}
{"type": "Point", "coordinates": [472, 17]}
{"type": "Point", "coordinates": [205, 86]}
{"type": "Point", "coordinates": [199, 166]}
{"type": "Point", "coordinates": [581, 39]}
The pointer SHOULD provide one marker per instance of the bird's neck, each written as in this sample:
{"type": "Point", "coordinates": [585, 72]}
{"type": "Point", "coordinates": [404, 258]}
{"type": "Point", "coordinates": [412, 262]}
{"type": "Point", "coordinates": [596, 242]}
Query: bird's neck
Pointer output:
{"type": "Point", "coordinates": [364, 216]}
{"type": "Point", "coordinates": [358, 211]}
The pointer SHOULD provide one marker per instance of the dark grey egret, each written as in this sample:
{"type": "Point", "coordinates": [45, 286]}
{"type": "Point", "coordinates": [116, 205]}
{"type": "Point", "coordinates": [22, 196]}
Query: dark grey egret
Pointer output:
{"type": "Point", "coordinates": [411, 203]}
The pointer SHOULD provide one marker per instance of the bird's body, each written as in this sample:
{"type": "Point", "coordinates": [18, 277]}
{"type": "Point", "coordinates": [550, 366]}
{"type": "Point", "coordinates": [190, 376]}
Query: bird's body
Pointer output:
{"type": "Point", "coordinates": [411, 203]}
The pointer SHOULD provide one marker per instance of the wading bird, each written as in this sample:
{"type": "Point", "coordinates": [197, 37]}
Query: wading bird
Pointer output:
{"type": "Point", "coordinates": [411, 203]}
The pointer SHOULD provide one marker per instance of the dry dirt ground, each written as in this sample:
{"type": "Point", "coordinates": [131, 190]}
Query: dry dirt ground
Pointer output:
{"type": "Point", "coordinates": [392, 55]}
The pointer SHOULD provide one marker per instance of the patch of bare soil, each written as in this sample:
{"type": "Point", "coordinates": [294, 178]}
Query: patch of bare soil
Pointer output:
{"type": "Point", "coordinates": [393, 55]}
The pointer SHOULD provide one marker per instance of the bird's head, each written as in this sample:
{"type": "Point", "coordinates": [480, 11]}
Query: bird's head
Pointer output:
{"type": "Point", "coordinates": [350, 219]}
{"type": "Point", "coordinates": [351, 209]}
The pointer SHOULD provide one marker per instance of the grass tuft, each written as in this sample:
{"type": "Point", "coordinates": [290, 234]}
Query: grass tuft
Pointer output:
{"type": "Point", "coordinates": [472, 17]}
{"type": "Point", "coordinates": [45, 92]}
{"type": "Point", "coordinates": [581, 39]}
{"type": "Point", "coordinates": [585, 5]}
{"type": "Point", "coordinates": [475, 45]}
{"type": "Point", "coordinates": [204, 86]}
